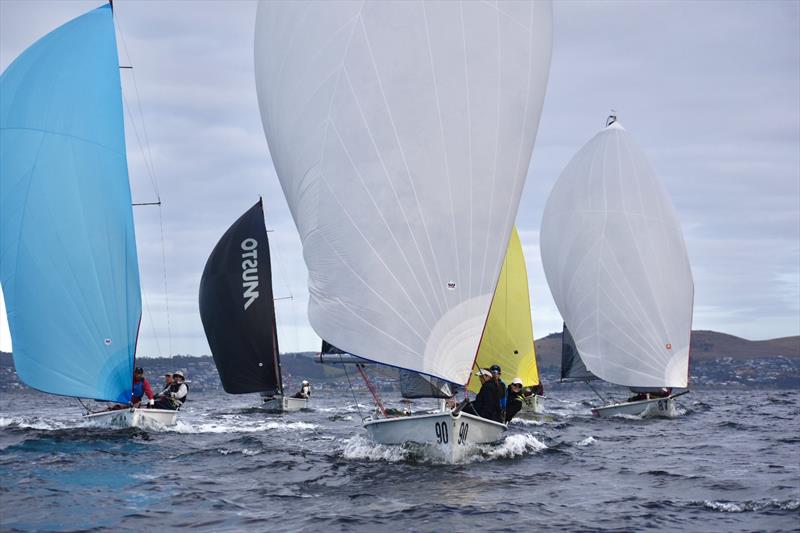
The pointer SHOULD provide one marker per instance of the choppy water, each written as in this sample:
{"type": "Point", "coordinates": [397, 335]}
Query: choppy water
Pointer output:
{"type": "Point", "coordinates": [728, 463]}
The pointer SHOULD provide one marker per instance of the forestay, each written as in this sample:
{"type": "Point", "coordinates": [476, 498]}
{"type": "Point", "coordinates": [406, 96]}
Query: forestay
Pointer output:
{"type": "Point", "coordinates": [508, 338]}
{"type": "Point", "coordinates": [617, 265]}
{"type": "Point", "coordinates": [237, 308]}
{"type": "Point", "coordinates": [68, 262]}
{"type": "Point", "coordinates": [401, 133]}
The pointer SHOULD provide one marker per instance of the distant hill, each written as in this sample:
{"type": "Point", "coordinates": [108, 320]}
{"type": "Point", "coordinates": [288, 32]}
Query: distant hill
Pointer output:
{"type": "Point", "coordinates": [706, 345]}
{"type": "Point", "coordinates": [737, 361]}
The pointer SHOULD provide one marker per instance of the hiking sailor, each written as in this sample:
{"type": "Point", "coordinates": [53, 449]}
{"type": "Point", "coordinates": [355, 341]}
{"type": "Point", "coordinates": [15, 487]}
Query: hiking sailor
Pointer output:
{"type": "Point", "coordinates": [487, 402]}
{"type": "Point", "coordinates": [176, 395]}
{"type": "Point", "coordinates": [514, 399]}
{"type": "Point", "coordinates": [304, 392]}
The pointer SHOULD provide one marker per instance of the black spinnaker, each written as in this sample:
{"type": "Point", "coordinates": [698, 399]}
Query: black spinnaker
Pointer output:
{"type": "Point", "coordinates": [237, 309]}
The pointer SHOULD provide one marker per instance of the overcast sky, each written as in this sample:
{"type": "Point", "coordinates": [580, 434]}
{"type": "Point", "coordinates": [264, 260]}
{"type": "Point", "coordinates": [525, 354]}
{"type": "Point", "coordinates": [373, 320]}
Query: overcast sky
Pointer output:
{"type": "Point", "coordinates": [711, 90]}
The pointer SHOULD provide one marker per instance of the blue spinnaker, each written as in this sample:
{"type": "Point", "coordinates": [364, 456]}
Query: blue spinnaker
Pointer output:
{"type": "Point", "coordinates": [68, 263]}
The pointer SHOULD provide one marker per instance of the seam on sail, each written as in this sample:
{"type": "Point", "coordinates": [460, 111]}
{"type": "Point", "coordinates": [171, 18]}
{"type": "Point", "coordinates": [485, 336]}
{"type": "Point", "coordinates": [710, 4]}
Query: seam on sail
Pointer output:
{"type": "Point", "coordinates": [443, 302]}
{"type": "Point", "coordinates": [648, 349]}
{"type": "Point", "coordinates": [278, 75]}
{"type": "Point", "coordinates": [374, 251]}
{"type": "Point", "coordinates": [642, 264]}
{"type": "Point", "coordinates": [527, 104]}
{"type": "Point", "coordinates": [569, 285]}
{"type": "Point", "coordinates": [59, 134]}
{"type": "Point", "coordinates": [651, 346]}
{"type": "Point", "coordinates": [355, 272]}
{"type": "Point", "coordinates": [441, 135]}
{"type": "Point", "coordinates": [665, 239]}
{"type": "Point", "coordinates": [469, 137]}
{"type": "Point", "coordinates": [493, 180]}
{"type": "Point", "coordinates": [368, 130]}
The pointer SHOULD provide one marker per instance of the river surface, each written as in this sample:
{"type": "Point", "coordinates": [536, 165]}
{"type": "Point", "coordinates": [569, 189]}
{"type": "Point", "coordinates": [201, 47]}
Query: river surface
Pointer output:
{"type": "Point", "coordinates": [729, 462]}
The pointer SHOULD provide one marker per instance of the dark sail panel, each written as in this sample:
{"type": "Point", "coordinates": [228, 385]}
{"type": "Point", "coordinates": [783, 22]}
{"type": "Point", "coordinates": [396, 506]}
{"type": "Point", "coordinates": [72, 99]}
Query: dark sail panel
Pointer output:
{"type": "Point", "coordinates": [414, 385]}
{"type": "Point", "coordinates": [237, 309]}
{"type": "Point", "coordinates": [572, 366]}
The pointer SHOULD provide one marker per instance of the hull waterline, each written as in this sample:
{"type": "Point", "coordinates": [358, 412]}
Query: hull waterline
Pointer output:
{"type": "Point", "coordinates": [449, 435]}
{"type": "Point", "coordinates": [656, 407]}
{"type": "Point", "coordinates": [134, 417]}
{"type": "Point", "coordinates": [286, 404]}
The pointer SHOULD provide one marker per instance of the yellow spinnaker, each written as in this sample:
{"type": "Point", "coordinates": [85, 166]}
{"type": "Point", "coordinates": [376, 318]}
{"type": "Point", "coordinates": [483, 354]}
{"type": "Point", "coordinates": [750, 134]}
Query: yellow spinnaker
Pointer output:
{"type": "Point", "coordinates": [508, 337]}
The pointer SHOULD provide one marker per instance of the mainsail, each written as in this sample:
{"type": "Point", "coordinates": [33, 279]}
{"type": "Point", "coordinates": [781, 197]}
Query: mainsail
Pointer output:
{"type": "Point", "coordinates": [617, 265]}
{"type": "Point", "coordinates": [412, 384]}
{"type": "Point", "coordinates": [401, 133]}
{"type": "Point", "coordinates": [68, 264]}
{"type": "Point", "coordinates": [237, 308]}
{"type": "Point", "coordinates": [572, 366]}
{"type": "Point", "coordinates": [508, 339]}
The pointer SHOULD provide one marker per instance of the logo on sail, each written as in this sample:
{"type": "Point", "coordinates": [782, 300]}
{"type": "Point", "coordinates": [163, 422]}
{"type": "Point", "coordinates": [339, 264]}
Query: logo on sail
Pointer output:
{"type": "Point", "coordinates": [249, 271]}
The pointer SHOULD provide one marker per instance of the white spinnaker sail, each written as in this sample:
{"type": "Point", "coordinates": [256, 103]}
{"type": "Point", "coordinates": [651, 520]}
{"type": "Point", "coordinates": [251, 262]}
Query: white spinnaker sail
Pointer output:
{"type": "Point", "coordinates": [401, 133]}
{"type": "Point", "coordinates": [617, 266]}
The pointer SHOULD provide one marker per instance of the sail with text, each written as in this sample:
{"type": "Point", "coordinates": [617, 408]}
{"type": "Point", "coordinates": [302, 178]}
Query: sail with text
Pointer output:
{"type": "Point", "coordinates": [237, 308]}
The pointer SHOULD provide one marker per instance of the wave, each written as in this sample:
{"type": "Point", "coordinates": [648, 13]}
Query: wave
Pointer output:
{"type": "Point", "coordinates": [512, 446]}
{"type": "Point", "coordinates": [749, 506]}
{"type": "Point", "coordinates": [239, 426]}
{"type": "Point", "coordinates": [587, 441]}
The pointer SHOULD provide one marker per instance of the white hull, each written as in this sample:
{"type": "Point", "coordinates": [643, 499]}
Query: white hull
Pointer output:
{"type": "Point", "coordinates": [656, 407]}
{"type": "Point", "coordinates": [134, 417]}
{"type": "Point", "coordinates": [286, 404]}
{"type": "Point", "coordinates": [532, 405]}
{"type": "Point", "coordinates": [452, 435]}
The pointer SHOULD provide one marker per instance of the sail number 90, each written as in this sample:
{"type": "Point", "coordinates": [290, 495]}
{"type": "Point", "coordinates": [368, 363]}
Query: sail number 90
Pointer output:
{"type": "Point", "coordinates": [442, 436]}
{"type": "Point", "coordinates": [441, 432]}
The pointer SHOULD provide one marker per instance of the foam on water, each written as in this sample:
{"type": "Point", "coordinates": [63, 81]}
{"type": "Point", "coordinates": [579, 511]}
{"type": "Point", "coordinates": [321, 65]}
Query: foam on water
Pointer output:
{"type": "Point", "coordinates": [513, 446]}
{"type": "Point", "coordinates": [358, 447]}
{"type": "Point", "coordinates": [750, 506]}
{"type": "Point", "coordinates": [587, 441]}
{"type": "Point", "coordinates": [240, 426]}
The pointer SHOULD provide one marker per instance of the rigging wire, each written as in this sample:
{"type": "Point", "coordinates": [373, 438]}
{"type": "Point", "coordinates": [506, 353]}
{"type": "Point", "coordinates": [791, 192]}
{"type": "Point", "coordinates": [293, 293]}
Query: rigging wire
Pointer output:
{"type": "Point", "coordinates": [350, 385]}
{"type": "Point", "coordinates": [147, 157]}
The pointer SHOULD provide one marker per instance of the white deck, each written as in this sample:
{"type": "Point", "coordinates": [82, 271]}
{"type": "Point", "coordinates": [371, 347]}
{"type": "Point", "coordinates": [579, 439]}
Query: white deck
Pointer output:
{"type": "Point", "coordinates": [153, 419]}
{"type": "Point", "coordinates": [450, 435]}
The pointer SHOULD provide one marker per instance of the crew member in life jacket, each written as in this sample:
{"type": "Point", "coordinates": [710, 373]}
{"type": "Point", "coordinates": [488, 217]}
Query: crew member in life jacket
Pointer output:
{"type": "Point", "coordinates": [304, 392]}
{"type": "Point", "coordinates": [167, 384]}
{"type": "Point", "coordinates": [487, 401]}
{"type": "Point", "coordinates": [177, 394]}
{"type": "Point", "coordinates": [514, 399]}
{"type": "Point", "coordinates": [141, 388]}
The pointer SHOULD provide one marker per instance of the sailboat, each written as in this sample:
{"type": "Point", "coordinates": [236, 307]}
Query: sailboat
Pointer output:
{"type": "Point", "coordinates": [401, 134]}
{"type": "Point", "coordinates": [508, 339]}
{"type": "Point", "coordinates": [617, 266]}
{"type": "Point", "coordinates": [68, 262]}
{"type": "Point", "coordinates": [238, 313]}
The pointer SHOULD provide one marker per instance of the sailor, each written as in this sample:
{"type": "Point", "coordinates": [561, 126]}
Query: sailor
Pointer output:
{"type": "Point", "coordinates": [167, 384]}
{"type": "Point", "coordinates": [497, 373]}
{"type": "Point", "coordinates": [305, 390]}
{"type": "Point", "coordinates": [514, 399]}
{"type": "Point", "coordinates": [177, 394]}
{"type": "Point", "coordinates": [141, 388]}
{"type": "Point", "coordinates": [487, 402]}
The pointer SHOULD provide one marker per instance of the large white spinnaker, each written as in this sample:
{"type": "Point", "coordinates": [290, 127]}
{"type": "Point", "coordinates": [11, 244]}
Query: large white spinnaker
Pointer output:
{"type": "Point", "coordinates": [617, 266]}
{"type": "Point", "coordinates": [401, 133]}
